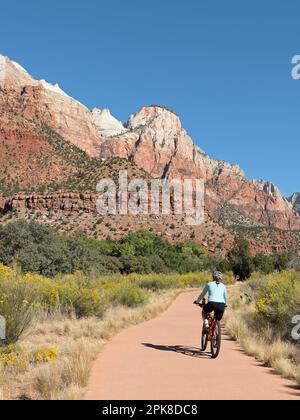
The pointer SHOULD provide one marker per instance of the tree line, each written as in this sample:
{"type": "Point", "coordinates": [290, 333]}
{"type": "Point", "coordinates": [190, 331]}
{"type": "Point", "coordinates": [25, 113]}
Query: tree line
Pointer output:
{"type": "Point", "coordinates": [40, 249]}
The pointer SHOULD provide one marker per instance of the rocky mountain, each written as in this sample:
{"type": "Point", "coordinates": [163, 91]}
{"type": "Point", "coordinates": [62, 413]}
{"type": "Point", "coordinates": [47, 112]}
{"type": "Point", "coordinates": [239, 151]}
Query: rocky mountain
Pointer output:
{"type": "Point", "coordinates": [107, 125]}
{"type": "Point", "coordinates": [295, 202]}
{"type": "Point", "coordinates": [157, 142]}
{"type": "Point", "coordinates": [269, 188]}
{"type": "Point", "coordinates": [49, 142]}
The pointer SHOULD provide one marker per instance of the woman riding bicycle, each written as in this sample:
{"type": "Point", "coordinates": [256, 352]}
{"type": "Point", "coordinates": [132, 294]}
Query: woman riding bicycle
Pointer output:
{"type": "Point", "coordinates": [217, 299]}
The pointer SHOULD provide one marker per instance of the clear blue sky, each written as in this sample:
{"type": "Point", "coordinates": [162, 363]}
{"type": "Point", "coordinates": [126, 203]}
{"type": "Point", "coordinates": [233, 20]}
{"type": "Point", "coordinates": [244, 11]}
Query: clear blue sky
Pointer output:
{"type": "Point", "coordinates": [223, 65]}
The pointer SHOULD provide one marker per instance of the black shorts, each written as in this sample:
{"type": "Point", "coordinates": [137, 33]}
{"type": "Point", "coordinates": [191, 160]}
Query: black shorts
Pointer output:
{"type": "Point", "coordinates": [217, 308]}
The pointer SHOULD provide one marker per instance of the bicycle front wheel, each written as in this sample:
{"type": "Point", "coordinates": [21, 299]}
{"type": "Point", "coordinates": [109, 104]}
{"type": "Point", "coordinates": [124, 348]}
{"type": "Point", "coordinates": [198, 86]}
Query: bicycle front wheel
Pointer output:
{"type": "Point", "coordinates": [216, 340]}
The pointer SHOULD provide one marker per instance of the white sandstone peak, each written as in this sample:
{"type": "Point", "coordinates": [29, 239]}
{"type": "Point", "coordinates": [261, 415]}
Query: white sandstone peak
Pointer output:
{"type": "Point", "coordinates": [2, 67]}
{"type": "Point", "coordinates": [12, 73]}
{"type": "Point", "coordinates": [268, 187]}
{"type": "Point", "coordinates": [155, 115]}
{"type": "Point", "coordinates": [53, 88]}
{"type": "Point", "coordinates": [19, 67]}
{"type": "Point", "coordinates": [295, 202]}
{"type": "Point", "coordinates": [107, 125]}
{"type": "Point", "coordinates": [5, 62]}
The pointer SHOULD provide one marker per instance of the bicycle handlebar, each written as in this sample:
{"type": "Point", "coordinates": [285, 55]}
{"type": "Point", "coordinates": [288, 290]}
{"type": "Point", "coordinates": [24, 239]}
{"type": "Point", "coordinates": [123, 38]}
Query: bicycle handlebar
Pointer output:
{"type": "Point", "coordinates": [203, 304]}
{"type": "Point", "coordinates": [200, 304]}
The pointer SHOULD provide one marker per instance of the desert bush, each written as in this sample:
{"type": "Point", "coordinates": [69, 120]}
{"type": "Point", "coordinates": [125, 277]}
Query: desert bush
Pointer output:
{"type": "Point", "coordinates": [18, 303]}
{"type": "Point", "coordinates": [90, 303]}
{"type": "Point", "coordinates": [13, 358]}
{"type": "Point", "coordinates": [128, 294]}
{"type": "Point", "coordinates": [44, 355]}
{"type": "Point", "coordinates": [81, 294]}
{"type": "Point", "coordinates": [156, 282]}
{"type": "Point", "coordinates": [277, 301]}
{"type": "Point", "coordinates": [261, 320]}
{"type": "Point", "coordinates": [71, 371]}
{"type": "Point", "coordinates": [25, 296]}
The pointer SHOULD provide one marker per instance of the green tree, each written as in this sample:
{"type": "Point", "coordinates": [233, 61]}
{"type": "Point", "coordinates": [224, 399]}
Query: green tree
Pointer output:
{"type": "Point", "coordinates": [282, 260]}
{"type": "Point", "coordinates": [240, 259]}
{"type": "Point", "coordinates": [263, 263]}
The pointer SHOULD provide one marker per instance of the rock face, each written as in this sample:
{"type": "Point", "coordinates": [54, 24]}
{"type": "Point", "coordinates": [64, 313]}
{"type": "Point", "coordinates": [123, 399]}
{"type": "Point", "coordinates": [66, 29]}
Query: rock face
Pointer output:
{"type": "Point", "coordinates": [153, 139]}
{"type": "Point", "coordinates": [13, 74]}
{"type": "Point", "coordinates": [70, 212]}
{"type": "Point", "coordinates": [295, 202]}
{"type": "Point", "coordinates": [157, 142]}
{"type": "Point", "coordinates": [67, 116]}
{"type": "Point", "coordinates": [65, 201]}
{"type": "Point", "coordinates": [269, 188]}
{"type": "Point", "coordinates": [107, 125]}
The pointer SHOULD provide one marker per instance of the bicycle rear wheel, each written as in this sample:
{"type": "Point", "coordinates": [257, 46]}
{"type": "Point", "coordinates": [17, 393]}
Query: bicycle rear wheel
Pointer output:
{"type": "Point", "coordinates": [204, 341]}
{"type": "Point", "coordinates": [216, 340]}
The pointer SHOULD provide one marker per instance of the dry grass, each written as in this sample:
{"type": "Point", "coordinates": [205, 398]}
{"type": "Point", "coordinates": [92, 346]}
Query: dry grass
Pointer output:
{"type": "Point", "coordinates": [275, 353]}
{"type": "Point", "coordinates": [78, 342]}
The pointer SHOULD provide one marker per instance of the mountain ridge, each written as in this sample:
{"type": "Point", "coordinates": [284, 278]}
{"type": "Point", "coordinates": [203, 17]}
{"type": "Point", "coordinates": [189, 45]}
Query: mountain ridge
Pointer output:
{"type": "Point", "coordinates": [153, 139]}
{"type": "Point", "coordinates": [294, 200]}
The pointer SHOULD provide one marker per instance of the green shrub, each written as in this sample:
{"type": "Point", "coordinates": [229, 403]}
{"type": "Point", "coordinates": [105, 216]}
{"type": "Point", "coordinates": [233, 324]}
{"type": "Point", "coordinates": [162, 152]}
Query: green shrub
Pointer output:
{"type": "Point", "coordinates": [156, 283]}
{"type": "Point", "coordinates": [90, 302]}
{"type": "Point", "coordinates": [81, 294]}
{"type": "Point", "coordinates": [129, 294]}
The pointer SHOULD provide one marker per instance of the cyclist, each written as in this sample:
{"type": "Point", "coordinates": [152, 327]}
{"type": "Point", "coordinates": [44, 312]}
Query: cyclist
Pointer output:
{"type": "Point", "coordinates": [217, 299]}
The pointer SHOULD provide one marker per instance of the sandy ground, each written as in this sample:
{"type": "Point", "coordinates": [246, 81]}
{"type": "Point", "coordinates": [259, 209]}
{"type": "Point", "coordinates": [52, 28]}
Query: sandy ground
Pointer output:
{"type": "Point", "coordinates": [160, 360]}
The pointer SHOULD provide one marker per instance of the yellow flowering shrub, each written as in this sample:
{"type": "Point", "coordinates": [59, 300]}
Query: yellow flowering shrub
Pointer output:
{"type": "Point", "coordinates": [22, 297]}
{"type": "Point", "coordinates": [90, 302]}
{"type": "Point", "coordinates": [18, 305]}
{"type": "Point", "coordinates": [229, 278]}
{"type": "Point", "coordinates": [6, 272]}
{"type": "Point", "coordinates": [47, 289]}
{"type": "Point", "coordinates": [278, 299]}
{"type": "Point", "coordinates": [13, 358]}
{"type": "Point", "coordinates": [44, 355]}
{"type": "Point", "coordinates": [156, 282]}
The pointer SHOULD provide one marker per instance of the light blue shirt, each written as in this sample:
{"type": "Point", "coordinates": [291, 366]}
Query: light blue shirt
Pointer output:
{"type": "Point", "coordinates": [216, 293]}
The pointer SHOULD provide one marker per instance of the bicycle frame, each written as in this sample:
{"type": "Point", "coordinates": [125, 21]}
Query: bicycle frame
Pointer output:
{"type": "Point", "coordinates": [212, 321]}
{"type": "Point", "coordinates": [214, 335]}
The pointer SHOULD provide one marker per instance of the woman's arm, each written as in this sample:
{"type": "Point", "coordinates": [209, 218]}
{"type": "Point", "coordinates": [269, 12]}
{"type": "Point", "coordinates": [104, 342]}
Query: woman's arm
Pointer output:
{"type": "Point", "coordinates": [203, 294]}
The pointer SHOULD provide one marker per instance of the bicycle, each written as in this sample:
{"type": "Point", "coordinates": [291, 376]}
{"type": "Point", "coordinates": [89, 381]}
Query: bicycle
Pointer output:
{"type": "Point", "coordinates": [214, 334]}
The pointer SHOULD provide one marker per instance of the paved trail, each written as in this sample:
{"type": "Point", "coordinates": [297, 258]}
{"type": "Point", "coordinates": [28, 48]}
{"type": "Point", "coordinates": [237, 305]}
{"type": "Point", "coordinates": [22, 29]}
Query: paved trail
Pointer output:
{"type": "Point", "coordinates": [160, 359]}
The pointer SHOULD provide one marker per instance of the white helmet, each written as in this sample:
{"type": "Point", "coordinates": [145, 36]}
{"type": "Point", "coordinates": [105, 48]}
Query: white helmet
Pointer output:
{"type": "Point", "coordinates": [217, 276]}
